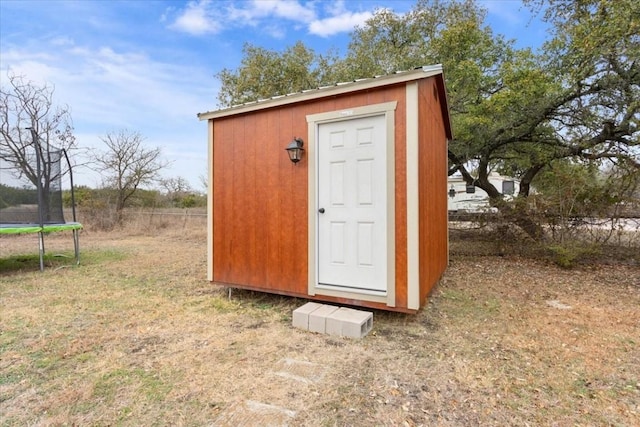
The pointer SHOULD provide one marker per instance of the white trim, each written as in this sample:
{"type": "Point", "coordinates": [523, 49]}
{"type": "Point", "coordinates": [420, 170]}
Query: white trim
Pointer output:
{"type": "Point", "coordinates": [338, 292]}
{"type": "Point", "coordinates": [413, 194]}
{"type": "Point", "coordinates": [310, 155]}
{"type": "Point", "coordinates": [391, 206]}
{"type": "Point", "coordinates": [210, 204]}
{"type": "Point", "coordinates": [352, 113]}
{"type": "Point", "coordinates": [446, 163]}
{"type": "Point", "coordinates": [313, 122]}
{"type": "Point", "coordinates": [364, 84]}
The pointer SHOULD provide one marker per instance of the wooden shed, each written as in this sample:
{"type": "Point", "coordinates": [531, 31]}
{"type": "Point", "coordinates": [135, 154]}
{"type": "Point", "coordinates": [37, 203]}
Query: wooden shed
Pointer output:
{"type": "Point", "coordinates": [361, 219]}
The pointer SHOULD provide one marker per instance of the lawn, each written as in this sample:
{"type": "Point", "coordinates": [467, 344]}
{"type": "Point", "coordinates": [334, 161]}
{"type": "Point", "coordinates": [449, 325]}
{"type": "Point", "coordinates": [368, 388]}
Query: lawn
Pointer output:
{"type": "Point", "coordinates": [135, 335]}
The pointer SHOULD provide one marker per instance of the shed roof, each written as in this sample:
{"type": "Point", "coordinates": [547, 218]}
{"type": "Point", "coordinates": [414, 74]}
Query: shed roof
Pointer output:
{"type": "Point", "coordinates": [341, 88]}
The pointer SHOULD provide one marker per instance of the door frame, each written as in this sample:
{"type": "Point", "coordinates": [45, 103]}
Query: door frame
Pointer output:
{"type": "Point", "coordinates": [313, 122]}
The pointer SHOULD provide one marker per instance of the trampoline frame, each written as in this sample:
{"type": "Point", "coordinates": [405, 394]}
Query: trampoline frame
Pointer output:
{"type": "Point", "coordinates": [75, 227]}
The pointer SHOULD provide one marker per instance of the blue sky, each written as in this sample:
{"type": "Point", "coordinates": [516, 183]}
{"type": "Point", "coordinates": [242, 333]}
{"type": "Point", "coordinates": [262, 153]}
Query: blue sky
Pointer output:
{"type": "Point", "coordinates": [149, 66]}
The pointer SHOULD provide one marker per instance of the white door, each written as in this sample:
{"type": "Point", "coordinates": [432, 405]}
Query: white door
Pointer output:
{"type": "Point", "coordinates": [352, 204]}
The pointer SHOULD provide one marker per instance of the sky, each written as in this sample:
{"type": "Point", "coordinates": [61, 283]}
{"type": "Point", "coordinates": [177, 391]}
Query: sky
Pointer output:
{"type": "Point", "coordinates": [149, 66]}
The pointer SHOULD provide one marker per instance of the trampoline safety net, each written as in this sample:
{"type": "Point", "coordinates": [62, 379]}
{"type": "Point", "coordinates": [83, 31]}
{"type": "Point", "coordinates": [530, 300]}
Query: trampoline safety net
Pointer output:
{"type": "Point", "coordinates": [20, 200]}
{"type": "Point", "coordinates": [31, 195]}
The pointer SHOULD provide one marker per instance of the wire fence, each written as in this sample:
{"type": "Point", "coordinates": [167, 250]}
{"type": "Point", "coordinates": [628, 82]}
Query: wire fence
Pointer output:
{"type": "Point", "coordinates": [144, 219]}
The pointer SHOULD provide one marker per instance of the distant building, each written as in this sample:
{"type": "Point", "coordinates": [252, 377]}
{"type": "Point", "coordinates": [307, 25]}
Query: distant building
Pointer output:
{"type": "Point", "coordinates": [463, 198]}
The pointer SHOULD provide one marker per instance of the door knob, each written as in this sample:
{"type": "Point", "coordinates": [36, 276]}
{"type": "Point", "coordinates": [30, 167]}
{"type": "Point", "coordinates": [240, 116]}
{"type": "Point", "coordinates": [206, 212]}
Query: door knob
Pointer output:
{"type": "Point", "coordinates": [321, 210]}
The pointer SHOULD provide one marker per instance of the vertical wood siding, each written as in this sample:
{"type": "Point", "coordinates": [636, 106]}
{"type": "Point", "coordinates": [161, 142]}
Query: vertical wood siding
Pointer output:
{"type": "Point", "coordinates": [259, 202]}
{"type": "Point", "coordinates": [433, 188]}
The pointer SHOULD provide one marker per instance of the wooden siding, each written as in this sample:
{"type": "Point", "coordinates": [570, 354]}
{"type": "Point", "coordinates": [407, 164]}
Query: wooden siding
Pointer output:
{"type": "Point", "coordinates": [260, 197]}
{"type": "Point", "coordinates": [433, 188]}
{"type": "Point", "coordinates": [401, 201]}
{"type": "Point", "coordinates": [259, 208]}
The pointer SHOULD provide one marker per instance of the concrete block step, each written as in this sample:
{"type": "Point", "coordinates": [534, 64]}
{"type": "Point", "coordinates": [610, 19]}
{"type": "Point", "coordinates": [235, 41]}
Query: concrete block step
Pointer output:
{"type": "Point", "coordinates": [332, 320]}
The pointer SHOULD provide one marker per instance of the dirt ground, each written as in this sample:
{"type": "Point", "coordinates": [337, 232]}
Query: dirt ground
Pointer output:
{"type": "Point", "coordinates": [135, 335]}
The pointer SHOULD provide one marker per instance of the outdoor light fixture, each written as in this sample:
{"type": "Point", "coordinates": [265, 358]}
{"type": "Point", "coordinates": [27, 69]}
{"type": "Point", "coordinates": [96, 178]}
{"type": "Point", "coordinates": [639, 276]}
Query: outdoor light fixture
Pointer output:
{"type": "Point", "coordinates": [294, 149]}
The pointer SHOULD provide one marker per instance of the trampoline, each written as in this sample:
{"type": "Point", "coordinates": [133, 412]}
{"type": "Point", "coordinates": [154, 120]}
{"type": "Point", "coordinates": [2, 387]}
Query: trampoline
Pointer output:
{"type": "Point", "coordinates": [37, 205]}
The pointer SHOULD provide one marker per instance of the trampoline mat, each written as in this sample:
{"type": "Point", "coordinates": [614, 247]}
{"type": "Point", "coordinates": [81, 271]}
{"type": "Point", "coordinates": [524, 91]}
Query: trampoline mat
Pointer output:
{"type": "Point", "coordinates": [36, 228]}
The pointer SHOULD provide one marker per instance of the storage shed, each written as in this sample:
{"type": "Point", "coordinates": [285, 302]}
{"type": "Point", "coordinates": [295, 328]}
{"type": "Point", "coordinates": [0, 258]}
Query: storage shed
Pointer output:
{"type": "Point", "coordinates": [359, 217]}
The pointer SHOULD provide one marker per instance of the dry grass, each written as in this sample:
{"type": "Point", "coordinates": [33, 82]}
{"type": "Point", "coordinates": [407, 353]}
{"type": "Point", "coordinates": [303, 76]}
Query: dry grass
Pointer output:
{"type": "Point", "coordinates": [136, 336]}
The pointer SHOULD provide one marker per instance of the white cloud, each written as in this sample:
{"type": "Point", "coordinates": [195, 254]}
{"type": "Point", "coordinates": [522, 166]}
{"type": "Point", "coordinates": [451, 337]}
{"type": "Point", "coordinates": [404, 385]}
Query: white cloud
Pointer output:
{"type": "Point", "coordinates": [275, 31]}
{"type": "Point", "coordinates": [33, 67]}
{"type": "Point", "coordinates": [287, 9]}
{"type": "Point", "coordinates": [197, 19]}
{"type": "Point", "coordinates": [109, 89]}
{"type": "Point", "coordinates": [344, 22]}
{"type": "Point", "coordinates": [335, 8]}
{"type": "Point", "coordinates": [62, 41]}
{"type": "Point", "coordinates": [256, 12]}
{"type": "Point", "coordinates": [200, 17]}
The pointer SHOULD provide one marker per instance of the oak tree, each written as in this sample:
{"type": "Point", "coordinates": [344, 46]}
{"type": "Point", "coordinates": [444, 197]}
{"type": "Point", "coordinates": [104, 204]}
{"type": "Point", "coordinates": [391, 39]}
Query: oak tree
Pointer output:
{"type": "Point", "coordinates": [513, 110]}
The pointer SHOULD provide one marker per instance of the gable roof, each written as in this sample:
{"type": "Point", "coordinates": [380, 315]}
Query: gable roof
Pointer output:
{"type": "Point", "coordinates": [341, 88]}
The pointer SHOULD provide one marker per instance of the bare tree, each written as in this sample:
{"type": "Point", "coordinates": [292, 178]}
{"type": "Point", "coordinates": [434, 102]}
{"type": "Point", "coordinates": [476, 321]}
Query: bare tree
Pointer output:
{"type": "Point", "coordinates": [177, 185]}
{"type": "Point", "coordinates": [177, 189]}
{"type": "Point", "coordinates": [31, 125]}
{"type": "Point", "coordinates": [204, 181]}
{"type": "Point", "coordinates": [128, 165]}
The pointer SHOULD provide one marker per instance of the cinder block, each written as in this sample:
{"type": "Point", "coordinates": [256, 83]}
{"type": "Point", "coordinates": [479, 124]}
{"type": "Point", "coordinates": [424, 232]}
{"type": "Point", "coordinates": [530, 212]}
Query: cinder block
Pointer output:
{"type": "Point", "coordinates": [301, 315]}
{"type": "Point", "coordinates": [318, 318]}
{"type": "Point", "coordinates": [347, 322]}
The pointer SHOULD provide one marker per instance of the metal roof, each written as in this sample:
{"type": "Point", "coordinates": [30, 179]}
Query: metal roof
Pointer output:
{"type": "Point", "coordinates": [336, 89]}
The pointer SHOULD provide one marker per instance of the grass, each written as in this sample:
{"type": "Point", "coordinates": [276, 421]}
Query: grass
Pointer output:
{"type": "Point", "coordinates": [135, 335]}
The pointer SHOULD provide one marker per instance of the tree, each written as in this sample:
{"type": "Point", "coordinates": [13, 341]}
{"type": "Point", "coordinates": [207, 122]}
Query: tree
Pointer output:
{"type": "Point", "coordinates": [178, 191]}
{"type": "Point", "coordinates": [265, 73]}
{"type": "Point", "coordinates": [512, 110]}
{"type": "Point", "coordinates": [128, 165]}
{"type": "Point", "coordinates": [204, 181]}
{"type": "Point", "coordinates": [490, 83]}
{"type": "Point", "coordinates": [33, 130]}
{"type": "Point", "coordinates": [177, 185]}
{"type": "Point", "coordinates": [578, 101]}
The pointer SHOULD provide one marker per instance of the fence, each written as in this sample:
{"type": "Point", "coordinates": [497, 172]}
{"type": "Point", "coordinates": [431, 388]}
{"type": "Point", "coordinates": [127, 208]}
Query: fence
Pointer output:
{"type": "Point", "coordinates": [145, 219]}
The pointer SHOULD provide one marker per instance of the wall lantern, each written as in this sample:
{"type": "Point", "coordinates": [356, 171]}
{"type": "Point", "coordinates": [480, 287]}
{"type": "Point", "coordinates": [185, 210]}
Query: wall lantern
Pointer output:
{"type": "Point", "coordinates": [294, 149]}
{"type": "Point", "coordinates": [452, 192]}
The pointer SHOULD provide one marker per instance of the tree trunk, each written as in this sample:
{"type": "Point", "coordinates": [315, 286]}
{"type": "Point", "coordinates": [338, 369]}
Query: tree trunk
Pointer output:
{"type": "Point", "coordinates": [519, 215]}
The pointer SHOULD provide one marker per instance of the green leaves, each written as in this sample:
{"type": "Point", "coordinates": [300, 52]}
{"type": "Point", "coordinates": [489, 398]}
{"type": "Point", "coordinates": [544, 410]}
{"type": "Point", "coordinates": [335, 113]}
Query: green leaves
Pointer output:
{"type": "Point", "coordinates": [512, 109]}
{"type": "Point", "coordinates": [266, 73]}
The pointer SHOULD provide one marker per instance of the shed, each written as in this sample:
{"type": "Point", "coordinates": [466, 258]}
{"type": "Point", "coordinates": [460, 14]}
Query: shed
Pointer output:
{"type": "Point", "coordinates": [361, 219]}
